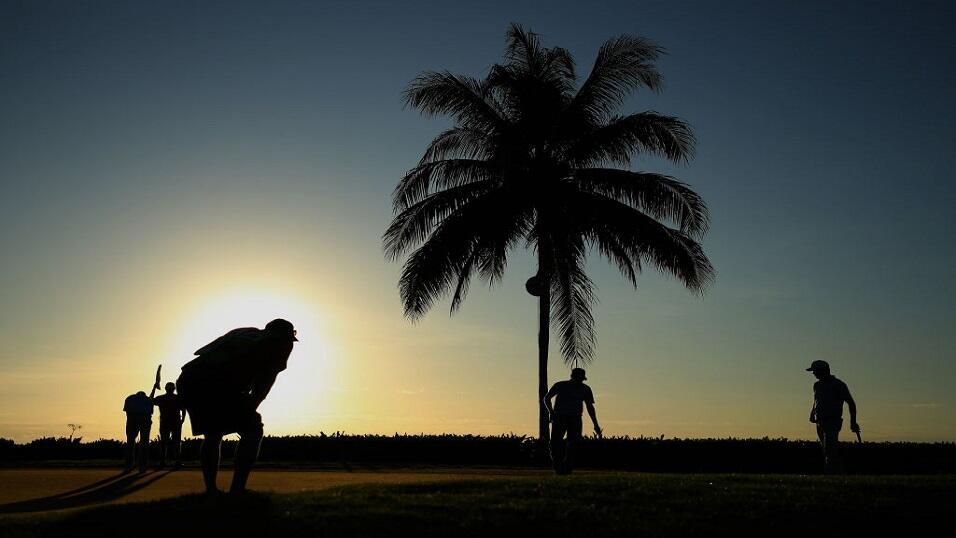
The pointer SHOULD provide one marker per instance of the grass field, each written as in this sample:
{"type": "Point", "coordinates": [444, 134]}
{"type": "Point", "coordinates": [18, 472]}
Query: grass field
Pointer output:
{"type": "Point", "coordinates": [469, 504]}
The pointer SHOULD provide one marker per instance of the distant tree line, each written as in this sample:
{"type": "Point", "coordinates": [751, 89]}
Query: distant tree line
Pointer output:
{"type": "Point", "coordinates": [517, 451]}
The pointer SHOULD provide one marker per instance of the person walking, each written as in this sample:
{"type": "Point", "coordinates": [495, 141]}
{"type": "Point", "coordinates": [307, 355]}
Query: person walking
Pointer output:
{"type": "Point", "coordinates": [829, 395]}
{"type": "Point", "coordinates": [570, 396]}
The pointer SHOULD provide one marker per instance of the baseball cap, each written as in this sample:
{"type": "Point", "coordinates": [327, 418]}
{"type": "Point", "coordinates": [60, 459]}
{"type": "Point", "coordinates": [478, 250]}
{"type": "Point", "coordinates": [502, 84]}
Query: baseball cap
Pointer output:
{"type": "Point", "coordinates": [819, 365]}
{"type": "Point", "coordinates": [578, 373]}
{"type": "Point", "coordinates": [282, 326]}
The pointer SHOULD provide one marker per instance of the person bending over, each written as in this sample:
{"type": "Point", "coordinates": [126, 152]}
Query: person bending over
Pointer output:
{"type": "Point", "coordinates": [222, 389]}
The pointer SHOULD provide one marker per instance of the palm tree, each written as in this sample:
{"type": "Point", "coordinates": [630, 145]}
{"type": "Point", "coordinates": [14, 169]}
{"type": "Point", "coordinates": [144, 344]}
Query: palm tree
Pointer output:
{"type": "Point", "coordinates": [536, 158]}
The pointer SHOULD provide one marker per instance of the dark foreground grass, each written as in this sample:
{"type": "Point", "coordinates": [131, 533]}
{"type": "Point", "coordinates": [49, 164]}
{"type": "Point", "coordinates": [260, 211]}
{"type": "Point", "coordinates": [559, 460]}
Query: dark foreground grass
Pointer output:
{"type": "Point", "coordinates": [594, 505]}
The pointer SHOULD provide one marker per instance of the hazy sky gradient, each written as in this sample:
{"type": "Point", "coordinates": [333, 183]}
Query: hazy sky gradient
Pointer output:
{"type": "Point", "coordinates": [170, 172]}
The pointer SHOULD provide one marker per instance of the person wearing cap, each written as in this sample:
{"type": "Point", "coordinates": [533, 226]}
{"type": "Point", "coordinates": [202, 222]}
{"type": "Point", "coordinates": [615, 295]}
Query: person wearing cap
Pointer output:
{"type": "Point", "coordinates": [222, 388]}
{"type": "Point", "coordinates": [171, 417]}
{"type": "Point", "coordinates": [570, 396]}
{"type": "Point", "coordinates": [829, 394]}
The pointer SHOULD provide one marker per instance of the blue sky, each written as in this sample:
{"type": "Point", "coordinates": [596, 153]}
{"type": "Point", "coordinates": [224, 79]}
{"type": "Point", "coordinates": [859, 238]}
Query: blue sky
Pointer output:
{"type": "Point", "coordinates": [151, 151]}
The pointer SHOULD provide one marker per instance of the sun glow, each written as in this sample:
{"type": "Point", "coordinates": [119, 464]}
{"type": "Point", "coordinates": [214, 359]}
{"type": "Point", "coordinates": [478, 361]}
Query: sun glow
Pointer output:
{"type": "Point", "coordinates": [300, 395]}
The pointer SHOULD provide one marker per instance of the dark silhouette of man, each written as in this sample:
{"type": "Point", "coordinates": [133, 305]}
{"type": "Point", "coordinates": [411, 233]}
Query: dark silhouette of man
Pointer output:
{"type": "Point", "coordinates": [222, 388]}
{"type": "Point", "coordinates": [139, 421]}
{"type": "Point", "coordinates": [570, 396]}
{"type": "Point", "coordinates": [829, 394]}
{"type": "Point", "coordinates": [171, 417]}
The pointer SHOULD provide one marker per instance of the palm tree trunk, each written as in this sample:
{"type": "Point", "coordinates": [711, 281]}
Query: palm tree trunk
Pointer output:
{"type": "Point", "coordinates": [544, 325]}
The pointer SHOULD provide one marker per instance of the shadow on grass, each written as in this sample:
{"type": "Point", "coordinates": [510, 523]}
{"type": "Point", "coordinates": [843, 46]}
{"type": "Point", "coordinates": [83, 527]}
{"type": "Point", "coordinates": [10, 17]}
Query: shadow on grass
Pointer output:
{"type": "Point", "coordinates": [614, 505]}
{"type": "Point", "coordinates": [101, 491]}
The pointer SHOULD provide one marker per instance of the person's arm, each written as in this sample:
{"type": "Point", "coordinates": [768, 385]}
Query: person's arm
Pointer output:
{"type": "Point", "coordinates": [593, 414]}
{"type": "Point", "coordinates": [851, 405]}
{"type": "Point", "coordinates": [547, 401]}
{"type": "Point", "coordinates": [813, 412]}
{"type": "Point", "coordinates": [271, 359]}
{"type": "Point", "coordinates": [159, 370]}
{"type": "Point", "coordinates": [261, 388]}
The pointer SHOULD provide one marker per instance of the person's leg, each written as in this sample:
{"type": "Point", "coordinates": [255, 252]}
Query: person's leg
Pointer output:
{"type": "Point", "coordinates": [833, 447]}
{"type": "Point", "coordinates": [821, 434]}
{"type": "Point", "coordinates": [176, 440]}
{"type": "Point", "coordinates": [246, 454]}
{"type": "Point", "coordinates": [574, 435]}
{"type": "Point", "coordinates": [558, 431]}
{"type": "Point", "coordinates": [164, 434]}
{"type": "Point", "coordinates": [132, 430]}
{"type": "Point", "coordinates": [145, 427]}
{"type": "Point", "coordinates": [828, 465]}
{"type": "Point", "coordinates": [209, 460]}
{"type": "Point", "coordinates": [829, 432]}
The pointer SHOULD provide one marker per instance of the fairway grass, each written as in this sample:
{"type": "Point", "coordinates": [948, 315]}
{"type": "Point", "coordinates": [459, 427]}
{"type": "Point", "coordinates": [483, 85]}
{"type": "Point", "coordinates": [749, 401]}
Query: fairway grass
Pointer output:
{"type": "Point", "coordinates": [613, 504]}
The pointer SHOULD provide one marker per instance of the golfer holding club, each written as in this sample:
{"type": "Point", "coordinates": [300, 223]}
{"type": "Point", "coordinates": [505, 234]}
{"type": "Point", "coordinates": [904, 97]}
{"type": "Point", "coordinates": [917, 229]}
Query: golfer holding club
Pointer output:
{"type": "Point", "coordinates": [829, 394]}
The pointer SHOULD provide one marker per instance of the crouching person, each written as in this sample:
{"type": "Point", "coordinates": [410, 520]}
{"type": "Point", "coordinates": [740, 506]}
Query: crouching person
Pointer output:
{"type": "Point", "coordinates": [222, 388]}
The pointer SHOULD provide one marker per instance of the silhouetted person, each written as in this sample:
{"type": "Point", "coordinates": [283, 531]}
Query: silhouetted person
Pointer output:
{"type": "Point", "coordinates": [829, 393]}
{"type": "Point", "coordinates": [222, 388]}
{"type": "Point", "coordinates": [171, 417]}
{"type": "Point", "coordinates": [139, 420]}
{"type": "Point", "coordinates": [570, 396]}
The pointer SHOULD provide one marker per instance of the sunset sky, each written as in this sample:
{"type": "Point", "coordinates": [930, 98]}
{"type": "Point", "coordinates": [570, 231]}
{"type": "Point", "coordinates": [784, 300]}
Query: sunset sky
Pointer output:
{"type": "Point", "coordinates": [169, 171]}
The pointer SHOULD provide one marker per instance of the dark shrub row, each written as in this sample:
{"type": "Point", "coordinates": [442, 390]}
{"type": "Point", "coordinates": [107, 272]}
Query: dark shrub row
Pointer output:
{"type": "Point", "coordinates": [623, 453]}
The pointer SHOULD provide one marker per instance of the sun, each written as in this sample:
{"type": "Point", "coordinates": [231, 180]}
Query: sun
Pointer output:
{"type": "Point", "coordinates": [300, 396]}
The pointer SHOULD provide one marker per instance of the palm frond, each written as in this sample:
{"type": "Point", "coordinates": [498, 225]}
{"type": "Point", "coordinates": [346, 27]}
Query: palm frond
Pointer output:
{"type": "Point", "coordinates": [430, 270]}
{"type": "Point", "coordinates": [458, 143]}
{"type": "Point", "coordinates": [412, 225]}
{"type": "Point", "coordinates": [436, 175]}
{"type": "Point", "coordinates": [673, 252]}
{"type": "Point", "coordinates": [524, 49]}
{"type": "Point", "coordinates": [466, 99]}
{"type": "Point", "coordinates": [464, 281]}
{"type": "Point", "coordinates": [490, 256]}
{"type": "Point", "coordinates": [660, 196]}
{"type": "Point", "coordinates": [644, 132]}
{"type": "Point", "coordinates": [493, 256]}
{"type": "Point", "coordinates": [623, 64]}
{"type": "Point", "coordinates": [617, 253]}
{"type": "Point", "coordinates": [447, 253]}
{"type": "Point", "coordinates": [561, 62]}
{"type": "Point", "coordinates": [572, 296]}
{"type": "Point", "coordinates": [534, 81]}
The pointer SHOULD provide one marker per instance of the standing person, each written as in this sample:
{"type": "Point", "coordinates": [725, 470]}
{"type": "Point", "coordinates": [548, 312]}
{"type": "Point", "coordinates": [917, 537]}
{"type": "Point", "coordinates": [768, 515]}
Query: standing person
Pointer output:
{"type": "Point", "coordinates": [829, 394]}
{"type": "Point", "coordinates": [171, 417]}
{"type": "Point", "coordinates": [139, 421]}
{"type": "Point", "coordinates": [565, 415]}
{"type": "Point", "coordinates": [222, 388]}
